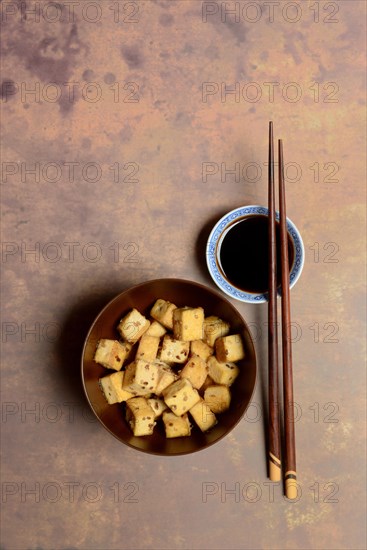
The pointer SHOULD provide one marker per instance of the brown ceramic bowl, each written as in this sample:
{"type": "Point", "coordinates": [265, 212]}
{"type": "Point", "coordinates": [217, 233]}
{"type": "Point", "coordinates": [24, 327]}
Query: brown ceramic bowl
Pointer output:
{"type": "Point", "coordinates": [142, 297]}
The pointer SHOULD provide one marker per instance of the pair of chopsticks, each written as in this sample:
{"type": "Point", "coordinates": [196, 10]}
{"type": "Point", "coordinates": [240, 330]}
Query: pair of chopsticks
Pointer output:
{"type": "Point", "coordinates": [290, 475]}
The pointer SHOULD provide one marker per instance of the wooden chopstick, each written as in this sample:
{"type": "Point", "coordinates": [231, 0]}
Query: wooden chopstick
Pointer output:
{"type": "Point", "coordinates": [290, 447]}
{"type": "Point", "coordinates": [274, 426]}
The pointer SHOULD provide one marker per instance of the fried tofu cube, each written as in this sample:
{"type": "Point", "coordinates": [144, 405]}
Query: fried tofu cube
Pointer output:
{"type": "Point", "coordinates": [156, 329]}
{"type": "Point", "coordinates": [162, 312]}
{"type": "Point", "coordinates": [148, 348]}
{"type": "Point", "coordinates": [203, 416]}
{"type": "Point", "coordinates": [174, 351]}
{"type": "Point", "coordinates": [229, 348]}
{"type": "Point", "coordinates": [140, 416]}
{"type": "Point", "coordinates": [180, 396]}
{"type": "Point", "coordinates": [214, 328]}
{"type": "Point", "coordinates": [222, 373]}
{"type": "Point", "coordinates": [111, 353]}
{"type": "Point", "coordinates": [166, 377]}
{"type": "Point", "coordinates": [196, 371]}
{"type": "Point", "coordinates": [158, 406]}
{"type": "Point", "coordinates": [112, 389]}
{"type": "Point", "coordinates": [201, 348]}
{"type": "Point", "coordinates": [132, 326]}
{"type": "Point", "coordinates": [141, 377]}
{"type": "Point", "coordinates": [218, 398]}
{"type": "Point", "coordinates": [188, 323]}
{"type": "Point", "coordinates": [176, 426]}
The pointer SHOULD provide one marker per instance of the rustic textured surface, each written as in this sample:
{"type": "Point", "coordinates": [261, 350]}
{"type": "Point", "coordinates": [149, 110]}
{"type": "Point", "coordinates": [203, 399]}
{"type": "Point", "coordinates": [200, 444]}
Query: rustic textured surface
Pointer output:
{"type": "Point", "coordinates": [162, 131]}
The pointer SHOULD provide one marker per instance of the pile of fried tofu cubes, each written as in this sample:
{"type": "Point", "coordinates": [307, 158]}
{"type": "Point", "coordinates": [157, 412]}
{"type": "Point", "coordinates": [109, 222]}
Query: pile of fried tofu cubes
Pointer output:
{"type": "Point", "coordinates": [183, 363]}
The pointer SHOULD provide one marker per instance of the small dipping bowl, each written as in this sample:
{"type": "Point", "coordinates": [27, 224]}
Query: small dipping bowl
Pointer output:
{"type": "Point", "coordinates": [215, 241]}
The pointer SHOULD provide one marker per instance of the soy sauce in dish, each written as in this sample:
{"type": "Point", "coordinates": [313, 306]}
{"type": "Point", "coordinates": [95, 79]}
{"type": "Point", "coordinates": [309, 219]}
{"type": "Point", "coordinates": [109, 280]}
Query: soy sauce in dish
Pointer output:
{"type": "Point", "coordinates": [243, 254]}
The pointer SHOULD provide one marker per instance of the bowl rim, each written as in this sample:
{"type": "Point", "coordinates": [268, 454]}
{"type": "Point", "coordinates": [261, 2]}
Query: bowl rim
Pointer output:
{"type": "Point", "coordinates": [251, 341]}
{"type": "Point", "coordinates": [211, 252]}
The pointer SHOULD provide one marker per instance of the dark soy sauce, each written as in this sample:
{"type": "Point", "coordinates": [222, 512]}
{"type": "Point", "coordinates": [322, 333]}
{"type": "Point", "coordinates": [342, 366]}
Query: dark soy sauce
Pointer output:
{"type": "Point", "coordinates": [244, 254]}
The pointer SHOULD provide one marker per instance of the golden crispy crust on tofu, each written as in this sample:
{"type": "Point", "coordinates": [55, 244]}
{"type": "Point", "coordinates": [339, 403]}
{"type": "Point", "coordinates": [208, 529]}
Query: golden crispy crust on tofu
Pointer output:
{"type": "Point", "coordinates": [132, 326]}
{"type": "Point", "coordinates": [229, 348]}
{"type": "Point", "coordinates": [201, 348]}
{"type": "Point", "coordinates": [111, 354]}
{"type": "Point", "coordinates": [140, 416]}
{"type": "Point", "coordinates": [166, 377]}
{"type": "Point", "coordinates": [112, 389]}
{"type": "Point", "coordinates": [196, 371]}
{"type": "Point", "coordinates": [162, 311]}
{"type": "Point", "coordinates": [141, 377]}
{"type": "Point", "coordinates": [147, 348]}
{"type": "Point", "coordinates": [203, 416]}
{"type": "Point", "coordinates": [188, 323]}
{"type": "Point", "coordinates": [214, 328]}
{"type": "Point", "coordinates": [222, 373]}
{"type": "Point", "coordinates": [180, 396]}
{"type": "Point", "coordinates": [174, 351]}
{"type": "Point", "coordinates": [156, 329]}
{"type": "Point", "coordinates": [176, 426]}
{"type": "Point", "coordinates": [218, 398]}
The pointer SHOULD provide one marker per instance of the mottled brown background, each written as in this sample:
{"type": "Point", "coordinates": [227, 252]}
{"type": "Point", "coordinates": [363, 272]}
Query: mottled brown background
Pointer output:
{"type": "Point", "coordinates": [162, 124]}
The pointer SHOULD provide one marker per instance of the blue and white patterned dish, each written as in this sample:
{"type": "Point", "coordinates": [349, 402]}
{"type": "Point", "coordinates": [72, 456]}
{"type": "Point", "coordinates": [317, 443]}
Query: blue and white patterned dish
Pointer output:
{"type": "Point", "coordinates": [216, 236]}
